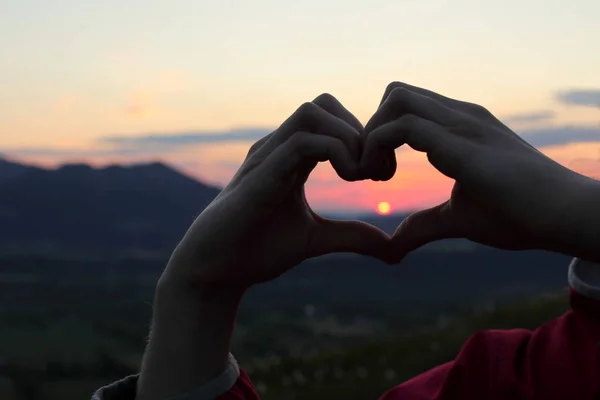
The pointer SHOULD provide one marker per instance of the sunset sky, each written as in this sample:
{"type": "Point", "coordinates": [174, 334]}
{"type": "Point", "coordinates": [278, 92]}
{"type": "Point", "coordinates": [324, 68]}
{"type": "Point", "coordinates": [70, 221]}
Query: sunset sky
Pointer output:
{"type": "Point", "coordinates": [194, 82]}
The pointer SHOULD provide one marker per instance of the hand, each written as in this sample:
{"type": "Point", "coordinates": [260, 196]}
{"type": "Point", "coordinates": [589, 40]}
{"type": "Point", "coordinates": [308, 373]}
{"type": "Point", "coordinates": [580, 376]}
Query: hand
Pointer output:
{"type": "Point", "coordinates": [257, 228]}
{"type": "Point", "coordinates": [507, 194]}
{"type": "Point", "coordinates": [261, 225]}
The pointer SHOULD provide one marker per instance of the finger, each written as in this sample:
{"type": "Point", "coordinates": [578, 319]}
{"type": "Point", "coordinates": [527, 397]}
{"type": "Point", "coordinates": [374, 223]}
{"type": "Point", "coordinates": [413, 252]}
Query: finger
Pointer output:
{"type": "Point", "coordinates": [386, 165]}
{"type": "Point", "coordinates": [383, 167]}
{"type": "Point", "coordinates": [447, 101]}
{"type": "Point", "coordinates": [249, 162]}
{"type": "Point", "coordinates": [402, 101]}
{"type": "Point", "coordinates": [312, 118]}
{"type": "Point", "coordinates": [465, 107]}
{"type": "Point", "coordinates": [301, 149]}
{"type": "Point", "coordinates": [379, 165]}
{"type": "Point", "coordinates": [329, 236]}
{"type": "Point", "coordinates": [445, 151]}
{"type": "Point", "coordinates": [330, 104]}
{"type": "Point", "coordinates": [258, 144]}
{"type": "Point", "coordinates": [420, 228]}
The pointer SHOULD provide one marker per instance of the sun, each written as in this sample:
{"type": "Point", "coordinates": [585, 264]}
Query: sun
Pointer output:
{"type": "Point", "coordinates": [384, 208]}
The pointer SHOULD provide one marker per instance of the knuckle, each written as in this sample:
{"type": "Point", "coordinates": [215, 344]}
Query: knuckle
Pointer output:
{"type": "Point", "coordinates": [396, 85]}
{"type": "Point", "coordinates": [478, 109]}
{"type": "Point", "coordinates": [399, 95]}
{"type": "Point", "coordinates": [296, 142]}
{"type": "Point", "coordinates": [253, 149]}
{"type": "Point", "coordinates": [391, 86]}
{"type": "Point", "coordinates": [409, 121]}
{"type": "Point", "coordinates": [325, 99]}
{"type": "Point", "coordinates": [305, 116]}
{"type": "Point", "coordinates": [258, 144]}
{"type": "Point", "coordinates": [306, 110]}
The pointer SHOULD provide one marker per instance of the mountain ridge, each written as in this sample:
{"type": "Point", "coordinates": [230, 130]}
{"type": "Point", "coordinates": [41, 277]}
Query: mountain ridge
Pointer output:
{"type": "Point", "coordinates": [98, 209]}
{"type": "Point", "coordinates": [146, 206]}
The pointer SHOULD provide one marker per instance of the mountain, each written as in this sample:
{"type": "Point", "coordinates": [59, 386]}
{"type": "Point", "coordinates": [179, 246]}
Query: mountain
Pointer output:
{"type": "Point", "coordinates": [114, 209]}
{"type": "Point", "coordinates": [109, 213]}
{"type": "Point", "coordinates": [10, 170]}
{"type": "Point", "coordinates": [77, 207]}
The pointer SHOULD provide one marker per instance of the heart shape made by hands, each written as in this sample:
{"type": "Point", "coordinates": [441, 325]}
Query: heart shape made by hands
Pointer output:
{"type": "Point", "coordinates": [450, 132]}
{"type": "Point", "coordinates": [264, 218]}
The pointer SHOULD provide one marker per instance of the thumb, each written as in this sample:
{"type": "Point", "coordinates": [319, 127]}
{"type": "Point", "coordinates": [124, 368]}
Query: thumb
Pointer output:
{"type": "Point", "coordinates": [422, 227]}
{"type": "Point", "coordinates": [331, 236]}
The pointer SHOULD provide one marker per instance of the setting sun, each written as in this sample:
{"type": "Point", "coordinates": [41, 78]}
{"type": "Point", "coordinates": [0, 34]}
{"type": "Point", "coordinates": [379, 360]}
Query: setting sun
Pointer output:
{"type": "Point", "coordinates": [384, 208]}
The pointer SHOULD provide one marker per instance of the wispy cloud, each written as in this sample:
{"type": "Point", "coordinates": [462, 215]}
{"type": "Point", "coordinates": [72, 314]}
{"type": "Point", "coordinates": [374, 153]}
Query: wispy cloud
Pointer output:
{"type": "Point", "coordinates": [580, 97]}
{"type": "Point", "coordinates": [69, 153]}
{"type": "Point", "coordinates": [163, 143]}
{"type": "Point", "coordinates": [561, 135]}
{"type": "Point", "coordinates": [536, 116]}
{"type": "Point", "coordinates": [538, 137]}
{"type": "Point", "coordinates": [177, 139]}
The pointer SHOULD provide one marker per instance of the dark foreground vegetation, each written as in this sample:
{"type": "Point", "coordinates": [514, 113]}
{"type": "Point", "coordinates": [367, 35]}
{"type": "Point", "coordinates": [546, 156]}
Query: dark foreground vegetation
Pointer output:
{"type": "Point", "coordinates": [342, 325]}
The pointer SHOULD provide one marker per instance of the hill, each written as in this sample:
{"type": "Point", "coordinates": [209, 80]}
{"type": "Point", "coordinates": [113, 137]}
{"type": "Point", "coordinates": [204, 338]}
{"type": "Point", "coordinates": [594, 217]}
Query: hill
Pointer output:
{"type": "Point", "coordinates": [80, 208]}
{"type": "Point", "coordinates": [82, 248]}
{"type": "Point", "coordinates": [108, 211]}
{"type": "Point", "coordinates": [127, 220]}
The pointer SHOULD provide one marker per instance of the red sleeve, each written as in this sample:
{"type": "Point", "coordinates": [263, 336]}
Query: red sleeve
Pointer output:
{"type": "Point", "coordinates": [559, 360]}
{"type": "Point", "coordinates": [242, 390]}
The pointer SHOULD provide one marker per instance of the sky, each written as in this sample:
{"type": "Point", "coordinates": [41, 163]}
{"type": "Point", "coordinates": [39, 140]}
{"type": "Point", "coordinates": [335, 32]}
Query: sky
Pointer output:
{"type": "Point", "coordinates": [194, 83]}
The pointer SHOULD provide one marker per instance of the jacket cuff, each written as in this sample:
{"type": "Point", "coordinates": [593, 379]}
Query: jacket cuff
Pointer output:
{"type": "Point", "coordinates": [125, 389]}
{"type": "Point", "coordinates": [213, 389]}
{"type": "Point", "coordinates": [584, 278]}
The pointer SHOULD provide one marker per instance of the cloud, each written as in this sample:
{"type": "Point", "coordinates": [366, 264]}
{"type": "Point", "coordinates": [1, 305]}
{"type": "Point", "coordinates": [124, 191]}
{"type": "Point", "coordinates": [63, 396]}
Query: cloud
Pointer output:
{"type": "Point", "coordinates": [178, 139]}
{"type": "Point", "coordinates": [537, 116]}
{"type": "Point", "coordinates": [580, 97]}
{"type": "Point", "coordinates": [144, 145]}
{"type": "Point", "coordinates": [163, 143]}
{"type": "Point", "coordinates": [69, 153]}
{"type": "Point", "coordinates": [556, 136]}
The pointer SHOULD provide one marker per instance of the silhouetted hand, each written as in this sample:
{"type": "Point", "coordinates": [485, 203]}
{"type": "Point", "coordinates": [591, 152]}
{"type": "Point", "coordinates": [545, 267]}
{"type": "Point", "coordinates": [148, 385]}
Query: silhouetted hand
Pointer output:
{"type": "Point", "coordinates": [261, 224]}
{"type": "Point", "coordinates": [507, 194]}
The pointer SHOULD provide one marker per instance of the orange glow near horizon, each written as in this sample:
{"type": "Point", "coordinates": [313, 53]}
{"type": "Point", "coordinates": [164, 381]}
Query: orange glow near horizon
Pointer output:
{"type": "Point", "coordinates": [415, 186]}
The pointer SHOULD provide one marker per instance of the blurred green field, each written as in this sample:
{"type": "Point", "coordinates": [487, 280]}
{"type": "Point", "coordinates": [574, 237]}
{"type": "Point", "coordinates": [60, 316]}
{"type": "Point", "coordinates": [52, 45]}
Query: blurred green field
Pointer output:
{"type": "Point", "coordinates": [69, 354]}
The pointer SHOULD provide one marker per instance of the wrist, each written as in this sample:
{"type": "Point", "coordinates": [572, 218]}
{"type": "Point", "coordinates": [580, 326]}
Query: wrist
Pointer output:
{"type": "Point", "coordinates": [576, 221]}
{"type": "Point", "coordinates": [190, 338]}
{"type": "Point", "coordinates": [203, 296]}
